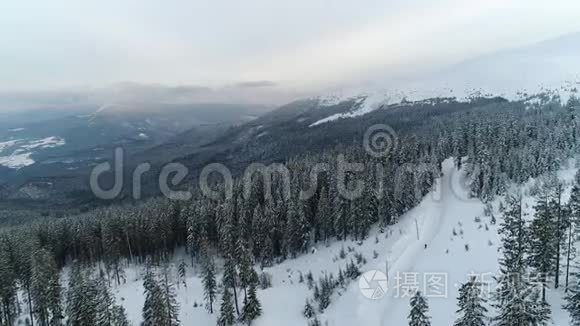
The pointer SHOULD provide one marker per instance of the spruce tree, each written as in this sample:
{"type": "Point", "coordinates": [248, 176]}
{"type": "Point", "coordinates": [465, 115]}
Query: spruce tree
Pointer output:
{"type": "Point", "coordinates": [308, 310]}
{"type": "Point", "coordinates": [209, 282]}
{"type": "Point", "coordinates": [169, 299]}
{"type": "Point", "coordinates": [8, 288]}
{"type": "Point", "coordinates": [324, 215]}
{"type": "Point", "coordinates": [181, 273]}
{"type": "Point", "coordinates": [573, 304]}
{"type": "Point", "coordinates": [471, 305]}
{"type": "Point", "coordinates": [119, 316]}
{"type": "Point", "coordinates": [226, 317]}
{"type": "Point", "coordinates": [107, 312]}
{"type": "Point", "coordinates": [252, 307]}
{"type": "Point", "coordinates": [229, 278]}
{"type": "Point", "coordinates": [561, 225]}
{"type": "Point", "coordinates": [517, 301]}
{"type": "Point", "coordinates": [296, 229]}
{"type": "Point", "coordinates": [81, 298]}
{"type": "Point", "coordinates": [542, 244]}
{"type": "Point", "coordinates": [315, 322]}
{"type": "Point", "coordinates": [247, 274]}
{"type": "Point", "coordinates": [419, 311]}
{"type": "Point", "coordinates": [260, 232]}
{"type": "Point", "coordinates": [574, 226]}
{"type": "Point", "coordinates": [46, 289]}
{"type": "Point", "coordinates": [154, 310]}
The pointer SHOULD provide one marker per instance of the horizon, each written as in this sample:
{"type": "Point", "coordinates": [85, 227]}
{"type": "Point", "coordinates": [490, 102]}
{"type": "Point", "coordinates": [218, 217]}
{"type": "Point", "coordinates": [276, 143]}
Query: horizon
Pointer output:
{"type": "Point", "coordinates": [65, 51]}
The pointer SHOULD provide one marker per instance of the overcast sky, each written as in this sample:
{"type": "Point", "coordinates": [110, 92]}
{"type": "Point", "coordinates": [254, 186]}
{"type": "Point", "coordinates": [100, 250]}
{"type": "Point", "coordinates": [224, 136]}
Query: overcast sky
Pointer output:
{"type": "Point", "coordinates": [297, 44]}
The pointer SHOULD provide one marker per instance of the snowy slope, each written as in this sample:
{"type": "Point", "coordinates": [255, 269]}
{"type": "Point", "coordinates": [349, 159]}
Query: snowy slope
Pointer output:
{"type": "Point", "coordinates": [552, 66]}
{"type": "Point", "coordinates": [445, 220]}
{"type": "Point", "coordinates": [440, 216]}
{"type": "Point", "coordinates": [365, 102]}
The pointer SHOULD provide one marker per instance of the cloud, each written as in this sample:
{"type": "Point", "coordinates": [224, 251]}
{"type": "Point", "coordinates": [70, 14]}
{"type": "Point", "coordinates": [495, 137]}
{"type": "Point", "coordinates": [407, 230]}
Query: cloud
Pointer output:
{"type": "Point", "coordinates": [274, 47]}
{"type": "Point", "coordinates": [258, 83]}
{"type": "Point", "coordinates": [133, 95]}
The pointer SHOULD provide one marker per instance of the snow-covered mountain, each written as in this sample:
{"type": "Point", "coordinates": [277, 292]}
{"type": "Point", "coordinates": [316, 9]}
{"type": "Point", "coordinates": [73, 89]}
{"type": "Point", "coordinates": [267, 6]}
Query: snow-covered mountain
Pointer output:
{"type": "Point", "coordinates": [550, 67]}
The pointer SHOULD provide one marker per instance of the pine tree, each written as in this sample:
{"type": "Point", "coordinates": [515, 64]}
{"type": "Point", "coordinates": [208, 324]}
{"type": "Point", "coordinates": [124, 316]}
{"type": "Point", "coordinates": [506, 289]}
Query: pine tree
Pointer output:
{"type": "Point", "coordinates": [326, 286]}
{"type": "Point", "coordinates": [260, 231]}
{"type": "Point", "coordinates": [8, 288]}
{"type": "Point", "coordinates": [308, 311]}
{"type": "Point", "coordinates": [514, 237]}
{"type": "Point", "coordinates": [226, 317]}
{"type": "Point", "coordinates": [46, 289]}
{"type": "Point", "coordinates": [542, 244]}
{"type": "Point", "coordinates": [574, 225]}
{"type": "Point", "coordinates": [269, 233]}
{"type": "Point", "coordinates": [23, 264]}
{"type": "Point", "coordinates": [229, 278]}
{"type": "Point", "coordinates": [297, 229]}
{"type": "Point", "coordinates": [252, 307]}
{"type": "Point", "coordinates": [107, 312]}
{"type": "Point", "coordinates": [324, 215]}
{"type": "Point", "coordinates": [181, 272]}
{"type": "Point", "coordinates": [154, 312]}
{"type": "Point", "coordinates": [209, 282]}
{"type": "Point", "coordinates": [471, 305]}
{"type": "Point", "coordinates": [523, 305]}
{"type": "Point", "coordinates": [517, 302]}
{"type": "Point", "coordinates": [81, 298]}
{"type": "Point", "coordinates": [573, 305]}
{"type": "Point", "coordinates": [247, 273]}
{"type": "Point", "coordinates": [419, 311]}
{"type": "Point", "coordinates": [340, 213]}
{"type": "Point", "coordinates": [169, 299]}
{"type": "Point", "coordinates": [561, 225]}
{"type": "Point", "coordinates": [119, 316]}
{"type": "Point", "coordinates": [315, 322]}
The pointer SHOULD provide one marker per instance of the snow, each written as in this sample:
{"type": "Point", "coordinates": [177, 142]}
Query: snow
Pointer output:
{"type": "Point", "coordinates": [17, 160]}
{"type": "Point", "coordinates": [445, 221]}
{"type": "Point", "coordinates": [368, 101]}
{"type": "Point", "coordinates": [7, 144]}
{"type": "Point", "coordinates": [363, 103]}
{"type": "Point", "coordinates": [406, 255]}
{"type": "Point", "coordinates": [551, 67]}
{"type": "Point", "coordinates": [48, 142]}
{"type": "Point", "coordinates": [23, 149]}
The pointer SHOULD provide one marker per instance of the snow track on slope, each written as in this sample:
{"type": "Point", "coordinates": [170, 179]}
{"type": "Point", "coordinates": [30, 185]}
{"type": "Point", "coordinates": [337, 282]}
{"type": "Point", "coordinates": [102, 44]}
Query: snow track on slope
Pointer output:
{"type": "Point", "coordinates": [432, 215]}
{"type": "Point", "coordinates": [401, 249]}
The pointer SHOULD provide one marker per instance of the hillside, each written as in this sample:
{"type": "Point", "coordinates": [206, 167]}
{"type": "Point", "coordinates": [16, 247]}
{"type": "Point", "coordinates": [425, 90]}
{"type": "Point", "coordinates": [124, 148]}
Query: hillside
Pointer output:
{"type": "Point", "coordinates": [446, 220]}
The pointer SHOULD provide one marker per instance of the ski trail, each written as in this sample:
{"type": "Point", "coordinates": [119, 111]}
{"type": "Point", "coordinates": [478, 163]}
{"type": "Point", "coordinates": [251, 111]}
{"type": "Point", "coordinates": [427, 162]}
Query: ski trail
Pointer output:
{"type": "Point", "coordinates": [401, 250]}
{"type": "Point", "coordinates": [431, 213]}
